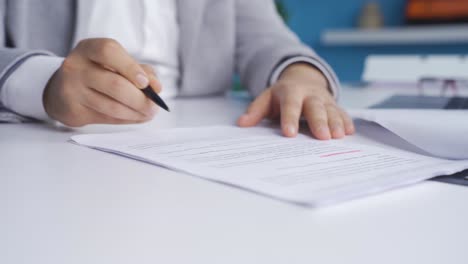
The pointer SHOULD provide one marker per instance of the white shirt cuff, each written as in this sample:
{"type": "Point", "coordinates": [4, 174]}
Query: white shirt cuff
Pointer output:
{"type": "Point", "coordinates": [333, 83]}
{"type": "Point", "coordinates": [22, 91]}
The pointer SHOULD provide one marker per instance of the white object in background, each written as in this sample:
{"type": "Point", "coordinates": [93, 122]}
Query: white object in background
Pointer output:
{"type": "Point", "coordinates": [445, 67]}
{"type": "Point", "coordinates": [442, 133]}
{"type": "Point", "coordinates": [300, 170]}
{"type": "Point", "coordinates": [420, 35]}
{"type": "Point", "coordinates": [411, 69]}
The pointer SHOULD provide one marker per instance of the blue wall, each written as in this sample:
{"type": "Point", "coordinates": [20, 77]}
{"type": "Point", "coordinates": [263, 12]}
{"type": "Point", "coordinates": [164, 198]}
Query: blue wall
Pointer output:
{"type": "Point", "coordinates": [309, 18]}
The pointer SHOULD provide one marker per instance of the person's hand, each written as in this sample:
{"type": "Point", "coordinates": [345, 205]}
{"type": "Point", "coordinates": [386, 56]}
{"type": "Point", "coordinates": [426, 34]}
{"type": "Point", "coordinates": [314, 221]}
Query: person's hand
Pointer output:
{"type": "Point", "coordinates": [99, 83]}
{"type": "Point", "coordinates": [300, 91]}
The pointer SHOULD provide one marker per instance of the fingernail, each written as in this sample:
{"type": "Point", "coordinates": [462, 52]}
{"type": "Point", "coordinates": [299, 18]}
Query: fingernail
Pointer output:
{"type": "Point", "coordinates": [324, 131]}
{"type": "Point", "coordinates": [142, 80]}
{"type": "Point", "coordinates": [291, 130]}
{"type": "Point", "coordinates": [338, 132]}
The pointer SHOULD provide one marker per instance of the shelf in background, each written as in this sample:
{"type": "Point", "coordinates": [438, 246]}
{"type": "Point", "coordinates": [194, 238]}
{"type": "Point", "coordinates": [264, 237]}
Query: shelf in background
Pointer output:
{"type": "Point", "coordinates": [408, 35]}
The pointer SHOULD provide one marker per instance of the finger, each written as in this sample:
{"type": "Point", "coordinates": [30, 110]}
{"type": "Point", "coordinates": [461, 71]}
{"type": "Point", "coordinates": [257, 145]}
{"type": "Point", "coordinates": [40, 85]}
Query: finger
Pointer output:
{"type": "Point", "coordinates": [316, 115]}
{"type": "Point", "coordinates": [335, 122]}
{"type": "Point", "coordinates": [274, 111]}
{"type": "Point", "coordinates": [107, 106]}
{"type": "Point", "coordinates": [89, 116]}
{"type": "Point", "coordinates": [110, 54]}
{"type": "Point", "coordinates": [120, 89]}
{"type": "Point", "coordinates": [99, 118]}
{"type": "Point", "coordinates": [153, 77]}
{"type": "Point", "coordinates": [290, 111]}
{"type": "Point", "coordinates": [348, 123]}
{"type": "Point", "coordinates": [257, 110]}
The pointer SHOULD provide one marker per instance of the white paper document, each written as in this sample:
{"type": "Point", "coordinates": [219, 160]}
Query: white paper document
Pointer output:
{"type": "Point", "coordinates": [441, 133]}
{"type": "Point", "coordinates": [300, 170]}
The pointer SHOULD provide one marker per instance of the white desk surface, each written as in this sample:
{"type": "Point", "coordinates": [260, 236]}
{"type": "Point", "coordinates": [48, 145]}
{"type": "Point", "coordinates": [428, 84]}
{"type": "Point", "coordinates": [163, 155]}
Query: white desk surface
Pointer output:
{"type": "Point", "coordinates": [61, 203]}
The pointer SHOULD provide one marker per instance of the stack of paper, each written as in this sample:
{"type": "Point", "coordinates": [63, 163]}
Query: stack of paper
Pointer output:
{"type": "Point", "coordinates": [300, 170]}
{"type": "Point", "coordinates": [441, 133]}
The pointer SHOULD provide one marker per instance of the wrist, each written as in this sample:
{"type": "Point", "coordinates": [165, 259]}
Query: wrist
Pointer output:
{"type": "Point", "coordinates": [302, 71]}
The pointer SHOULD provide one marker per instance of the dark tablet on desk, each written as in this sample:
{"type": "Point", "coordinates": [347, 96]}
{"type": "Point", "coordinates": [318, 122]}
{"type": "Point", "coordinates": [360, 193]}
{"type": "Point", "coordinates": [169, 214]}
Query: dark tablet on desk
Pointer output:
{"type": "Point", "coordinates": [423, 102]}
{"type": "Point", "coordinates": [460, 178]}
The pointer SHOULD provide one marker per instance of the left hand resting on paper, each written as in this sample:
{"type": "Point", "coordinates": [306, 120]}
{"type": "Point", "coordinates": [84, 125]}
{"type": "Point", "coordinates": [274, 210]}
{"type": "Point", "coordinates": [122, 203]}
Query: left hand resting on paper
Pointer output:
{"type": "Point", "coordinates": [301, 90]}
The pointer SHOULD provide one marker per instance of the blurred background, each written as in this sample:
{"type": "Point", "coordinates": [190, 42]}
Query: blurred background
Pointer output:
{"type": "Point", "coordinates": [345, 32]}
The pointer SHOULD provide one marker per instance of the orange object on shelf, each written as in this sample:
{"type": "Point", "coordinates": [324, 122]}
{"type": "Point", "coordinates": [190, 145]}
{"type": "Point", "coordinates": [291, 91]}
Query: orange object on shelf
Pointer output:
{"type": "Point", "coordinates": [436, 11]}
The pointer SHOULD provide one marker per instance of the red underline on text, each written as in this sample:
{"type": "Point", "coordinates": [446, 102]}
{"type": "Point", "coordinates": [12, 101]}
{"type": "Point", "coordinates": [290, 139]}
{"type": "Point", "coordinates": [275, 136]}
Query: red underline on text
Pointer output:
{"type": "Point", "coordinates": [340, 153]}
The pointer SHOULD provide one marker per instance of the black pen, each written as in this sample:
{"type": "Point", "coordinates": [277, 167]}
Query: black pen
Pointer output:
{"type": "Point", "coordinates": [151, 94]}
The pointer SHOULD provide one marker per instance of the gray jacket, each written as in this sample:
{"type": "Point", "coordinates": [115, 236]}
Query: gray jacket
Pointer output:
{"type": "Point", "coordinates": [218, 38]}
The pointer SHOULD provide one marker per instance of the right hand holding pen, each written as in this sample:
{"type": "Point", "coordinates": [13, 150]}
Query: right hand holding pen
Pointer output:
{"type": "Point", "coordinates": [99, 83]}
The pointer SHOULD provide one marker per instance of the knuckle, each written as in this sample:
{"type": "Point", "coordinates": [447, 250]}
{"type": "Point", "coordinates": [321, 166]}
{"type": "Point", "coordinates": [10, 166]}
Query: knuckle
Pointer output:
{"type": "Point", "coordinates": [315, 100]}
{"type": "Point", "coordinates": [117, 82]}
{"type": "Point", "coordinates": [107, 47]}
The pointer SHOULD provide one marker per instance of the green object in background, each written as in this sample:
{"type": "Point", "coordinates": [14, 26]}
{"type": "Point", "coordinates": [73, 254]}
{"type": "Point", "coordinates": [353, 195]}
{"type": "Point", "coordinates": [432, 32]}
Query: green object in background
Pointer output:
{"type": "Point", "coordinates": [283, 12]}
{"type": "Point", "coordinates": [236, 84]}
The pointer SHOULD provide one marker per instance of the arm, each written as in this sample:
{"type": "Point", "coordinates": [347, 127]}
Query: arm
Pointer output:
{"type": "Point", "coordinates": [21, 82]}
{"type": "Point", "coordinates": [97, 82]}
{"type": "Point", "coordinates": [75, 90]}
{"type": "Point", "coordinates": [23, 85]}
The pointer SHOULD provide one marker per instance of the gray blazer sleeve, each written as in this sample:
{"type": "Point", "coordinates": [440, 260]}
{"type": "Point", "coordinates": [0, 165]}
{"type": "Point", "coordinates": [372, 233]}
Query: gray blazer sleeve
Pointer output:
{"type": "Point", "coordinates": [11, 58]}
{"type": "Point", "coordinates": [263, 41]}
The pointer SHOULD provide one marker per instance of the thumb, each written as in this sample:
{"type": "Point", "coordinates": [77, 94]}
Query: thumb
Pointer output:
{"type": "Point", "coordinates": [257, 111]}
